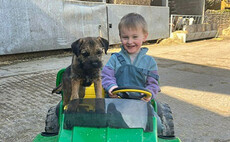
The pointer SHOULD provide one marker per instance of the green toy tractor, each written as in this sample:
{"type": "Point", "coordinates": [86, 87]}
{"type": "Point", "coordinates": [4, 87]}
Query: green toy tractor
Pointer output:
{"type": "Point", "coordinates": [108, 120]}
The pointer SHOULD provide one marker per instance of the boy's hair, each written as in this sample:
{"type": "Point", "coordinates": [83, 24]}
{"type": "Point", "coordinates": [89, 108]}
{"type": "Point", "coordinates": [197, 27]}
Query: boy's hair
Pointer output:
{"type": "Point", "coordinates": [133, 21]}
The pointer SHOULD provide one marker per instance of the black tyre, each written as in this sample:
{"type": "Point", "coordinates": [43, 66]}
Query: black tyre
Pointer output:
{"type": "Point", "coordinates": [52, 121]}
{"type": "Point", "coordinates": [165, 114]}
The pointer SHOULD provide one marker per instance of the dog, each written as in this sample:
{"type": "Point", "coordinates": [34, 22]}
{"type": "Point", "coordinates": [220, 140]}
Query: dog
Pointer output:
{"type": "Point", "coordinates": [84, 70]}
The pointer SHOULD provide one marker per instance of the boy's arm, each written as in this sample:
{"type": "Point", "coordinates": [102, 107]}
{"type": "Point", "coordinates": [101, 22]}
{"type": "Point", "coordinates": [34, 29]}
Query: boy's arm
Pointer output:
{"type": "Point", "coordinates": [152, 85]}
{"type": "Point", "coordinates": [108, 78]}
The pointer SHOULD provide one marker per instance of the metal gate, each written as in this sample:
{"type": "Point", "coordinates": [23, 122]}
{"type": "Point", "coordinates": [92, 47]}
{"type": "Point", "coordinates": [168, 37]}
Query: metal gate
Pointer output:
{"type": "Point", "coordinates": [177, 22]}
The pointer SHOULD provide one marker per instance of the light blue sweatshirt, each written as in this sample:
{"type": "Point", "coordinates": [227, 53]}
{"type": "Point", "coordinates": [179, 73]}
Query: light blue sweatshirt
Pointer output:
{"type": "Point", "coordinates": [142, 61]}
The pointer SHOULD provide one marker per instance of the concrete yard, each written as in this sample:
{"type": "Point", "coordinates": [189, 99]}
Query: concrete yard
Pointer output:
{"type": "Point", "coordinates": [194, 80]}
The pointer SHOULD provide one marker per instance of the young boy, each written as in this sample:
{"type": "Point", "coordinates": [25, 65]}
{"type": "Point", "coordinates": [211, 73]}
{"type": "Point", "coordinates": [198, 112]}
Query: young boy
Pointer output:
{"type": "Point", "coordinates": [131, 67]}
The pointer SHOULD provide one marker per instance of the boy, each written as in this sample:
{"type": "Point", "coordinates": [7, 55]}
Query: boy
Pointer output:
{"type": "Point", "coordinates": [131, 66]}
{"type": "Point", "coordinates": [139, 69]}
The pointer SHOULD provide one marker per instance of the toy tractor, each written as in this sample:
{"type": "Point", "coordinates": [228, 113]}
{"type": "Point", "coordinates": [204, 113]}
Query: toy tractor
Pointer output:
{"type": "Point", "coordinates": [107, 120]}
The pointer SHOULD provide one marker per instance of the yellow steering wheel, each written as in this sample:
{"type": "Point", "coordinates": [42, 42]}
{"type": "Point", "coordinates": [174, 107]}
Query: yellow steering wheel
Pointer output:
{"type": "Point", "coordinates": [118, 91]}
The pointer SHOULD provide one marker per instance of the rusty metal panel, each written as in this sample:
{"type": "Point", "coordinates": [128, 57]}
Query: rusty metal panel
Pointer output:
{"type": "Point", "coordinates": [131, 2]}
{"type": "Point", "coordinates": [186, 7]}
{"type": "Point", "coordinates": [82, 19]}
{"type": "Point", "coordinates": [28, 25]}
{"type": "Point", "coordinates": [156, 17]}
{"type": "Point", "coordinates": [39, 25]}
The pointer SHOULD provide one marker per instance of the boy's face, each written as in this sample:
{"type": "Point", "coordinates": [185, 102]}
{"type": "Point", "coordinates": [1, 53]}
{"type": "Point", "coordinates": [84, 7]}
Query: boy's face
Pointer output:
{"type": "Point", "coordinates": [132, 39]}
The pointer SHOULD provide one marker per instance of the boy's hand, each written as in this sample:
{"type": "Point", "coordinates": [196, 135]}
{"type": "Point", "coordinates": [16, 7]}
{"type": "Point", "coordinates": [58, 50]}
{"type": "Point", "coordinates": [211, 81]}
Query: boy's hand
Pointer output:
{"type": "Point", "coordinates": [110, 92]}
{"type": "Point", "coordinates": [146, 99]}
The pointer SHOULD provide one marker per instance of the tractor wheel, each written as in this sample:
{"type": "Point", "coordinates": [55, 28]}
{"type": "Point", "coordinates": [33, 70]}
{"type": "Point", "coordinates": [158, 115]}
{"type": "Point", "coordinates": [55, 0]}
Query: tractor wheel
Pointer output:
{"type": "Point", "coordinates": [52, 121]}
{"type": "Point", "coordinates": [165, 114]}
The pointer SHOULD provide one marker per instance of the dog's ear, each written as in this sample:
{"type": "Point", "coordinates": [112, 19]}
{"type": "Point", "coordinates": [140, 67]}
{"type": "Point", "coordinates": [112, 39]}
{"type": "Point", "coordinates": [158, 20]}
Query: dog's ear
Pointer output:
{"type": "Point", "coordinates": [104, 43]}
{"type": "Point", "coordinates": [76, 46]}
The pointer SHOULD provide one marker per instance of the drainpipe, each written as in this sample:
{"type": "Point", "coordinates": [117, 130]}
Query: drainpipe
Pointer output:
{"type": "Point", "coordinates": [203, 12]}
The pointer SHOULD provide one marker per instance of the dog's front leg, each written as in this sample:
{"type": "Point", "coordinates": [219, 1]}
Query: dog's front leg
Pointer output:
{"type": "Point", "coordinates": [98, 88]}
{"type": "Point", "coordinates": [99, 103]}
{"type": "Point", "coordinates": [75, 89]}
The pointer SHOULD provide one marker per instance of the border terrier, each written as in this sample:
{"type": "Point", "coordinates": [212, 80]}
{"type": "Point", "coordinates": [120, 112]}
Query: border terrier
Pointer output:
{"type": "Point", "coordinates": [84, 70]}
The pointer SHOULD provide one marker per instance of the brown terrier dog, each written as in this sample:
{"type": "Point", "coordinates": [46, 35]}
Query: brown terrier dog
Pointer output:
{"type": "Point", "coordinates": [84, 70]}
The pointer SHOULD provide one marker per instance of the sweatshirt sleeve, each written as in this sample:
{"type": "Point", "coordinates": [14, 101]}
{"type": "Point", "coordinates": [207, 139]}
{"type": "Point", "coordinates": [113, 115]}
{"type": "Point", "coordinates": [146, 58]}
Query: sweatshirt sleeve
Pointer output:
{"type": "Point", "coordinates": [108, 78]}
{"type": "Point", "coordinates": [152, 83]}
{"type": "Point", "coordinates": [108, 74]}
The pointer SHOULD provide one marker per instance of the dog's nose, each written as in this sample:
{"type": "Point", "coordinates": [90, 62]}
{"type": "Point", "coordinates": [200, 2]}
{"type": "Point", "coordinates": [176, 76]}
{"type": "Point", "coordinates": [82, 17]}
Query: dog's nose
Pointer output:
{"type": "Point", "coordinates": [96, 64]}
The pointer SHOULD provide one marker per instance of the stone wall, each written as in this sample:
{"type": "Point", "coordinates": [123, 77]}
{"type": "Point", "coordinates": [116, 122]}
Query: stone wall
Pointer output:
{"type": "Point", "coordinates": [221, 18]}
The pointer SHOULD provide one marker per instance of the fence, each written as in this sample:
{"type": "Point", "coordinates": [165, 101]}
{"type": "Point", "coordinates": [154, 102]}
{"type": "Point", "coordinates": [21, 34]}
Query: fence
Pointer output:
{"type": "Point", "coordinates": [177, 22]}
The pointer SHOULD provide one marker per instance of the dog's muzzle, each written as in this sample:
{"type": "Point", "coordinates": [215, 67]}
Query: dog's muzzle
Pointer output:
{"type": "Point", "coordinates": [97, 64]}
{"type": "Point", "coordinates": [91, 64]}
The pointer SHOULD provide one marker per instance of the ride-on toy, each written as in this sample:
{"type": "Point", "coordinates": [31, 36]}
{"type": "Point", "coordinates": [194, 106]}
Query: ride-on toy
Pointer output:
{"type": "Point", "coordinates": [107, 120]}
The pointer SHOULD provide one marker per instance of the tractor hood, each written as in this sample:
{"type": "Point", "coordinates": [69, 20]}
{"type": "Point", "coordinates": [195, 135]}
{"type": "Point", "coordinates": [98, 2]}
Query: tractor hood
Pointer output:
{"type": "Point", "coordinates": [106, 120]}
{"type": "Point", "coordinates": [106, 135]}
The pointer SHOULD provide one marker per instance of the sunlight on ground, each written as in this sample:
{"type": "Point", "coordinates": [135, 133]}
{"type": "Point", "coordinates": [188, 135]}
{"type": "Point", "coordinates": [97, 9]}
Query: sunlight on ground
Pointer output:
{"type": "Point", "coordinates": [214, 102]}
{"type": "Point", "coordinates": [112, 50]}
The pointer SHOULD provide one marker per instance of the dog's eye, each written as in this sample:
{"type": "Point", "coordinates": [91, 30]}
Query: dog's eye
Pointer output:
{"type": "Point", "coordinates": [85, 54]}
{"type": "Point", "coordinates": [99, 52]}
